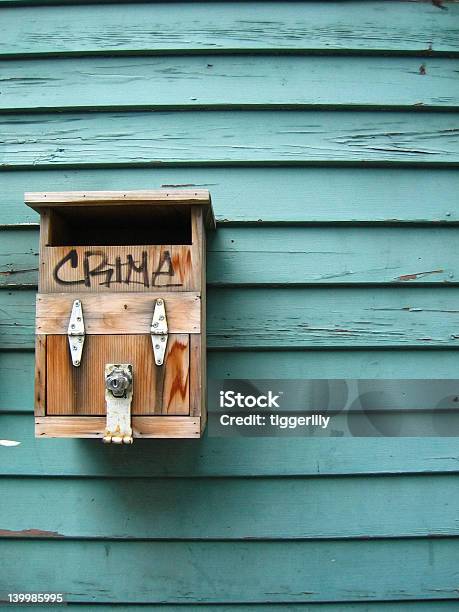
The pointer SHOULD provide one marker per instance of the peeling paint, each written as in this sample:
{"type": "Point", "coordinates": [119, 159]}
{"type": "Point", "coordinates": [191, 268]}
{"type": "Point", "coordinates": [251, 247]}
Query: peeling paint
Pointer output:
{"type": "Point", "coordinates": [29, 533]}
{"type": "Point", "coordinates": [11, 272]}
{"type": "Point", "coordinates": [9, 443]}
{"type": "Point", "coordinates": [179, 185]}
{"type": "Point", "coordinates": [416, 275]}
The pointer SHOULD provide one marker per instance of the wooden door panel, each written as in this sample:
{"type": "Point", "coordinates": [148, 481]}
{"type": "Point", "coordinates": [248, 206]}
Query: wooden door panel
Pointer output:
{"type": "Point", "coordinates": [157, 390]}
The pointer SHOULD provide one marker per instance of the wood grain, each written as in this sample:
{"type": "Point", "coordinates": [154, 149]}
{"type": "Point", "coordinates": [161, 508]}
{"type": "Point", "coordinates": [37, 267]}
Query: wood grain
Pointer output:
{"type": "Point", "coordinates": [153, 268]}
{"type": "Point", "coordinates": [414, 27]}
{"type": "Point", "coordinates": [200, 374]}
{"type": "Point", "coordinates": [153, 197]}
{"type": "Point", "coordinates": [94, 427]}
{"type": "Point", "coordinates": [81, 391]}
{"type": "Point", "coordinates": [229, 81]}
{"type": "Point", "coordinates": [291, 137]}
{"type": "Point", "coordinates": [196, 397]}
{"type": "Point", "coordinates": [198, 343]}
{"type": "Point", "coordinates": [40, 375]}
{"type": "Point", "coordinates": [176, 376]}
{"type": "Point", "coordinates": [115, 313]}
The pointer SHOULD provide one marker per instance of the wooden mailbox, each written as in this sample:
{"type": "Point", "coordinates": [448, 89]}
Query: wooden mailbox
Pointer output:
{"type": "Point", "coordinates": [120, 319]}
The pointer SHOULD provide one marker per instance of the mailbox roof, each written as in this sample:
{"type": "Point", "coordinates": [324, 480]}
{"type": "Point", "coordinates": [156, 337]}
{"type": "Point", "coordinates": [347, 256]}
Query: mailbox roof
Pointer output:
{"type": "Point", "coordinates": [62, 199]}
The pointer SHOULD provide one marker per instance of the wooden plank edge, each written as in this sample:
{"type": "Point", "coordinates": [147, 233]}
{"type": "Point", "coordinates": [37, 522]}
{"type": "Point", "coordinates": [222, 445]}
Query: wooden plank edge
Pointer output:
{"type": "Point", "coordinates": [331, 162]}
{"type": "Point", "coordinates": [334, 51]}
{"type": "Point", "coordinates": [143, 196]}
{"type": "Point", "coordinates": [94, 427]}
{"type": "Point", "coordinates": [201, 197]}
{"type": "Point", "coordinates": [115, 320]}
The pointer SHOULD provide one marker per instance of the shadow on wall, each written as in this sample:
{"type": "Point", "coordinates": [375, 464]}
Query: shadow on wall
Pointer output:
{"type": "Point", "coordinates": [163, 457]}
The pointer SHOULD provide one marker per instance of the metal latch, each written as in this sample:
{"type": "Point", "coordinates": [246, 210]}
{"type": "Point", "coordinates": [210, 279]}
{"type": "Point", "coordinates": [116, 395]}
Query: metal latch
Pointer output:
{"type": "Point", "coordinates": [76, 333]}
{"type": "Point", "coordinates": [159, 331]}
{"type": "Point", "coordinates": [118, 398]}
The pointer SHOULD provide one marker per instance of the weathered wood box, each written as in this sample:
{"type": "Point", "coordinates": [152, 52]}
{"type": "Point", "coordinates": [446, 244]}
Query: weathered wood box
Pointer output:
{"type": "Point", "coordinates": [120, 318]}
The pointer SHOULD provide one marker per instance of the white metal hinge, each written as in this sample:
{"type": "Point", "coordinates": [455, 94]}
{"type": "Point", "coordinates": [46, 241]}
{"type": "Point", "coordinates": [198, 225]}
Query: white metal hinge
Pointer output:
{"type": "Point", "coordinates": [76, 333]}
{"type": "Point", "coordinates": [118, 398]}
{"type": "Point", "coordinates": [159, 331]}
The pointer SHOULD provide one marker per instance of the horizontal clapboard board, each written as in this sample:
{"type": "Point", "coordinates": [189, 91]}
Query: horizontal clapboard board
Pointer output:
{"type": "Point", "coordinates": [249, 26]}
{"type": "Point", "coordinates": [18, 366]}
{"type": "Point", "coordinates": [116, 571]}
{"type": "Point", "coordinates": [393, 509]}
{"type": "Point", "coordinates": [297, 318]}
{"type": "Point", "coordinates": [290, 137]}
{"type": "Point", "coordinates": [273, 457]}
{"type": "Point", "coordinates": [229, 81]}
{"type": "Point", "coordinates": [266, 195]}
{"type": "Point", "coordinates": [289, 256]}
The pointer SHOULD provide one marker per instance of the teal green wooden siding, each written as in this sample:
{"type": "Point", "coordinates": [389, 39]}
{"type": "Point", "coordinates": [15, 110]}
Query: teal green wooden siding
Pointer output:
{"type": "Point", "coordinates": [327, 135]}
{"type": "Point", "coordinates": [310, 194]}
{"type": "Point", "coordinates": [230, 81]}
{"type": "Point", "coordinates": [145, 139]}
{"type": "Point", "coordinates": [387, 317]}
{"type": "Point", "coordinates": [240, 26]}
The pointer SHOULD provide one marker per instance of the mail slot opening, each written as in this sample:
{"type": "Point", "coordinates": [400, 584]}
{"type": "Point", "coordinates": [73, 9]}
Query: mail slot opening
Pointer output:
{"type": "Point", "coordinates": [119, 225]}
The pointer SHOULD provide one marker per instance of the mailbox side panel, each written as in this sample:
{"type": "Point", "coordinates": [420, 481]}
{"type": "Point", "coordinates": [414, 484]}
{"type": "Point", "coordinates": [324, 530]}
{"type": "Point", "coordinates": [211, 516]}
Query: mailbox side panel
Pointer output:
{"type": "Point", "coordinates": [198, 394]}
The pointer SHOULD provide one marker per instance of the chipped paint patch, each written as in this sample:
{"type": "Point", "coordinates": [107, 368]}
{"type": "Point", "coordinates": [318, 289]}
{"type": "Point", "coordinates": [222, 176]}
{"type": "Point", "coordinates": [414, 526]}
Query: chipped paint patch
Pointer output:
{"type": "Point", "coordinates": [29, 533]}
{"type": "Point", "coordinates": [23, 271]}
{"type": "Point", "coordinates": [9, 443]}
{"type": "Point", "coordinates": [415, 276]}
